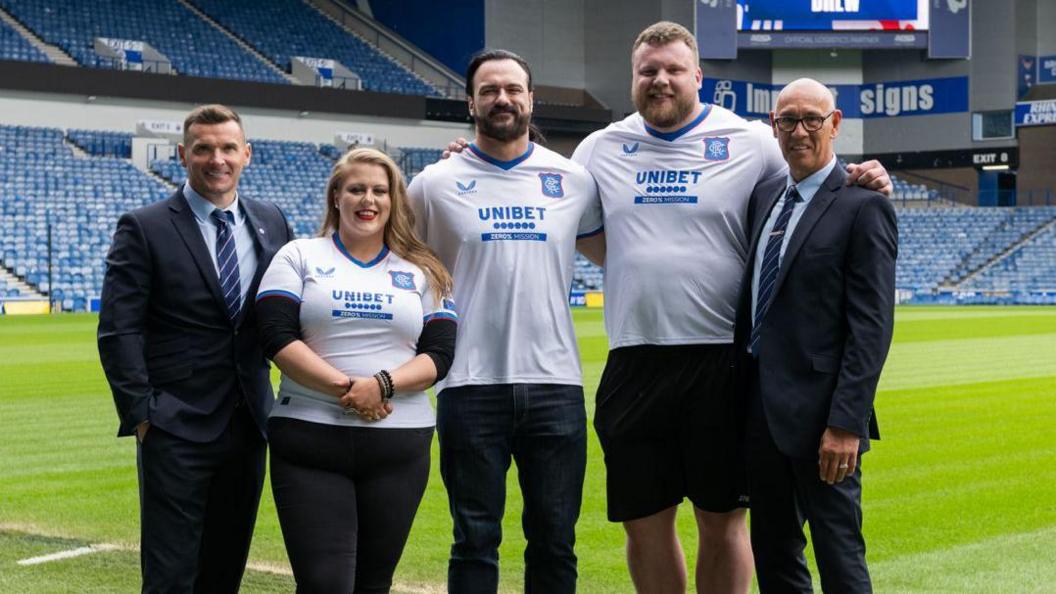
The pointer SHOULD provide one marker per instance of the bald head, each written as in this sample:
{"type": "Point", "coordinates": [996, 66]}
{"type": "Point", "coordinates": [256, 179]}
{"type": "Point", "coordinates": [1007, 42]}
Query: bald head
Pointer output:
{"type": "Point", "coordinates": [806, 122]}
{"type": "Point", "coordinates": [810, 90]}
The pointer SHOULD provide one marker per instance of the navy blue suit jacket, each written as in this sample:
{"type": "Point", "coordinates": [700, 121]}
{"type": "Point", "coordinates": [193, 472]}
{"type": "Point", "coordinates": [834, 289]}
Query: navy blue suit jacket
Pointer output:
{"type": "Point", "coordinates": [824, 339]}
{"type": "Point", "coordinates": [170, 353]}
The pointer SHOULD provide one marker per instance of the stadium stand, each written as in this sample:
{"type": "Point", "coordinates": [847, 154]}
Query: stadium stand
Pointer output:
{"type": "Point", "coordinates": [941, 246]}
{"type": "Point", "coordinates": [195, 47]}
{"type": "Point", "coordinates": [281, 29]}
{"type": "Point", "coordinates": [102, 143]}
{"type": "Point", "coordinates": [412, 160]}
{"type": "Point", "coordinates": [1029, 267]}
{"type": "Point", "coordinates": [14, 47]}
{"type": "Point", "coordinates": [906, 192]}
{"type": "Point", "coordinates": [1017, 224]}
{"type": "Point", "coordinates": [934, 242]}
{"type": "Point", "coordinates": [41, 181]}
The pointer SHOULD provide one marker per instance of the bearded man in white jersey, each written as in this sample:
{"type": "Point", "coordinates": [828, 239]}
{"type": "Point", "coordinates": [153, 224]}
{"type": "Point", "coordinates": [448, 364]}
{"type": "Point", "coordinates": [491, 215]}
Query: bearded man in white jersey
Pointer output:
{"type": "Point", "coordinates": [505, 217]}
{"type": "Point", "coordinates": [675, 180]}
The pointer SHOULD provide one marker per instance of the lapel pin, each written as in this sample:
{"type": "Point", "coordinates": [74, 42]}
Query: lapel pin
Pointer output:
{"type": "Point", "coordinates": [261, 230]}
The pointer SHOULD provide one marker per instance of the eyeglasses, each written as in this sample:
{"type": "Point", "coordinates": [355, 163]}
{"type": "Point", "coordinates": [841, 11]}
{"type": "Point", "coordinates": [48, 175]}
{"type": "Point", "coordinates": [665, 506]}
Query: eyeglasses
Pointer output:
{"type": "Point", "coordinates": [811, 123]}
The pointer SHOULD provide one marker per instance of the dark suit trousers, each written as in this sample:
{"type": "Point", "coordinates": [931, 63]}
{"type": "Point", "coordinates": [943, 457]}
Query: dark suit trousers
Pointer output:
{"type": "Point", "coordinates": [786, 492]}
{"type": "Point", "coordinates": [198, 505]}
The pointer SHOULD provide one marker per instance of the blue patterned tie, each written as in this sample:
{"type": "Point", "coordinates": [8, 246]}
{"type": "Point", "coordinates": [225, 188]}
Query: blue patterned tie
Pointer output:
{"type": "Point", "coordinates": [227, 261]}
{"type": "Point", "coordinates": [771, 265]}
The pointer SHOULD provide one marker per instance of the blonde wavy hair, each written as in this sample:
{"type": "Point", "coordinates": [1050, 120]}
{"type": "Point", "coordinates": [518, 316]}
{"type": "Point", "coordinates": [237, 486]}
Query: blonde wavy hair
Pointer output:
{"type": "Point", "coordinates": [399, 229]}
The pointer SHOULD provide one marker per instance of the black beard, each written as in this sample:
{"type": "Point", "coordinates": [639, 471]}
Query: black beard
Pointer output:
{"type": "Point", "coordinates": [502, 132]}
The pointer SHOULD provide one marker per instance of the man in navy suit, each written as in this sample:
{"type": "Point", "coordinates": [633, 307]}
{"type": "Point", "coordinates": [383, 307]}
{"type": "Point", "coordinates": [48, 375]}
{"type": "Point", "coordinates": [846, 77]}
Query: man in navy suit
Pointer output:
{"type": "Point", "coordinates": [814, 327]}
{"type": "Point", "coordinates": [178, 342]}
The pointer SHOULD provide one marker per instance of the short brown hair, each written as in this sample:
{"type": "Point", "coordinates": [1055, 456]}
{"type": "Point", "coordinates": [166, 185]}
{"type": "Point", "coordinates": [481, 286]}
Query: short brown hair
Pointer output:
{"type": "Point", "coordinates": [663, 33]}
{"type": "Point", "coordinates": [208, 115]}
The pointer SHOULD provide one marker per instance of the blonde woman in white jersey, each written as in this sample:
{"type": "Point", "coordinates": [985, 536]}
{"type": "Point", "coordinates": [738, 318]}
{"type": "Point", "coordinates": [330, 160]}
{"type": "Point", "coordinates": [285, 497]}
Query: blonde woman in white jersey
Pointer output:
{"type": "Point", "coordinates": [360, 322]}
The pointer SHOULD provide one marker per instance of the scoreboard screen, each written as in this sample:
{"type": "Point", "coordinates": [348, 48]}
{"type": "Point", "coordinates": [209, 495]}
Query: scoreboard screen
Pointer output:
{"type": "Point", "coordinates": [832, 15]}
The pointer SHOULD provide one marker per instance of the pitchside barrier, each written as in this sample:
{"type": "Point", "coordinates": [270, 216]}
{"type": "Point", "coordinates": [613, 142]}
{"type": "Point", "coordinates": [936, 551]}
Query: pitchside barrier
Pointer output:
{"type": "Point", "coordinates": [588, 299]}
{"type": "Point", "coordinates": [13, 306]}
{"type": "Point", "coordinates": [1047, 297]}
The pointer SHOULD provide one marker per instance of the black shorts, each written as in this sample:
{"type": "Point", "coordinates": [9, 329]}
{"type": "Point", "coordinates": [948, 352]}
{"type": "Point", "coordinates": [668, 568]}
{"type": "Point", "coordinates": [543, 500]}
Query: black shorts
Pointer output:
{"type": "Point", "coordinates": [671, 427]}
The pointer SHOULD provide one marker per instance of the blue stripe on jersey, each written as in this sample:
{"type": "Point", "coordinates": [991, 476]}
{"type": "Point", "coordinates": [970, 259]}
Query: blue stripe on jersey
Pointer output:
{"type": "Point", "coordinates": [507, 165]}
{"type": "Point", "coordinates": [591, 233]}
{"type": "Point", "coordinates": [440, 315]}
{"type": "Point", "coordinates": [341, 247]}
{"type": "Point", "coordinates": [669, 136]}
{"type": "Point", "coordinates": [279, 293]}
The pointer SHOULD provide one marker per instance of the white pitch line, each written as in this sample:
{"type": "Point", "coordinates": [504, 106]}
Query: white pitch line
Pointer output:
{"type": "Point", "coordinates": [95, 548]}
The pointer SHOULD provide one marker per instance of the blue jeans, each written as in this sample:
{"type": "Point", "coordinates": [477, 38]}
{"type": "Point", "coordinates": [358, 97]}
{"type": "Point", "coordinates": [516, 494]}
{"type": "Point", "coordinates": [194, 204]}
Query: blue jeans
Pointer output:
{"type": "Point", "coordinates": [544, 428]}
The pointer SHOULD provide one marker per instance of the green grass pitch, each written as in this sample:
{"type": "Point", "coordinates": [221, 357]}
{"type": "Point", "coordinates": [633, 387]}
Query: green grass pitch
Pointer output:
{"type": "Point", "coordinates": [959, 496]}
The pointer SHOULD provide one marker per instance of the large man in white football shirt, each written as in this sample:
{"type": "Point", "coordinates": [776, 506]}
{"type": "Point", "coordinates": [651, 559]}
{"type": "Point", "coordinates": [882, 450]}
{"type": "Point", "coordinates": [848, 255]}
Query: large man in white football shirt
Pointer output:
{"type": "Point", "coordinates": [505, 217]}
{"type": "Point", "coordinates": [675, 180]}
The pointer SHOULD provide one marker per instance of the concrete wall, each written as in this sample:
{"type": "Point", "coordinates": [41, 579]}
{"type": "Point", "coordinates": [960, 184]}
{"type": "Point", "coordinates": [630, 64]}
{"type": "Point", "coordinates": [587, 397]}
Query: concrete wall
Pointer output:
{"type": "Point", "coordinates": [1037, 158]}
{"type": "Point", "coordinates": [546, 33]}
{"type": "Point", "coordinates": [106, 113]}
{"type": "Point", "coordinates": [1046, 27]}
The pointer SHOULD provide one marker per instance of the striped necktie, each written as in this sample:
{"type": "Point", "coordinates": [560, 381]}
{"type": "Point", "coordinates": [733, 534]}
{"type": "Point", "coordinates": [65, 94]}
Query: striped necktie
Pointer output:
{"type": "Point", "coordinates": [771, 265]}
{"type": "Point", "coordinates": [227, 261]}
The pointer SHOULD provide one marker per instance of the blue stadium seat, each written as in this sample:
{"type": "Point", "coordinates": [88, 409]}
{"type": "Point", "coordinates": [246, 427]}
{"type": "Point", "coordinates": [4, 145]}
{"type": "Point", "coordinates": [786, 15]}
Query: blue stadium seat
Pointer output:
{"type": "Point", "coordinates": [281, 29]}
{"type": "Point", "coordinates": [41, 182]}
{"type": "Point", "coordinates": [195, 47]}
{"type": "Point", "coordinates": [14, 47]}
{"type": "Point", "coordinates": [102, 143]}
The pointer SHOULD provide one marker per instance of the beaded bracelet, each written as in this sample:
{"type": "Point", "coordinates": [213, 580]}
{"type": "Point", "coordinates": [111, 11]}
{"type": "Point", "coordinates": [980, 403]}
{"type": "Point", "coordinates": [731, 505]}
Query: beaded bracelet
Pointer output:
{"type": "Point", "coordinates": [385, 381]}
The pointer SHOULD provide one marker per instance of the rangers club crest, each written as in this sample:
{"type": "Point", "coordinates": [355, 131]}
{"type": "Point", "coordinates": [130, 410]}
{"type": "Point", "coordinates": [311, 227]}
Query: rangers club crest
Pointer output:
{"type": "Point", "coordinates": [716, 149]}
{"type": "Point", "coordinates": [552, 187]}
{"type": "Point", "coordinates": [402, 280]}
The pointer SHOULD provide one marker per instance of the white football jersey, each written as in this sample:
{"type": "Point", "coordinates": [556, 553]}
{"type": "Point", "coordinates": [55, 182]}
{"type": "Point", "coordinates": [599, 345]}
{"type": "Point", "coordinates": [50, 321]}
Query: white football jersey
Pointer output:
{"type": "Point", "coordinates": [360, 317]}
{"type": "Point", "coordinates": [507, 232]}
{"type": "Point", "coordinates": [675, 223]}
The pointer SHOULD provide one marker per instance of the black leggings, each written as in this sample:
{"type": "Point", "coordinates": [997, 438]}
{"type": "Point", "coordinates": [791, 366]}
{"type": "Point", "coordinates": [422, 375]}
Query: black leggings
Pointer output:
{"type": "Point", "coordinates": [346, 498]}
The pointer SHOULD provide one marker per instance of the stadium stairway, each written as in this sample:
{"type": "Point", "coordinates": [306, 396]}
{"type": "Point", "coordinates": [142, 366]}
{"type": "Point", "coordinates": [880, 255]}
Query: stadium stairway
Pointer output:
{"type": "Point", "coordinates": [250, 49]}
{"type": "Point", "coordinates": [11, 285]}
{"type": "Point", "coordinates": [281, 29]}
{"type": "Point", "coordinates": [53, 53]}
{"type": "Point", "coordinates": [1037, 247]}
{"type": "Point", "coordinates": [1020, 226]}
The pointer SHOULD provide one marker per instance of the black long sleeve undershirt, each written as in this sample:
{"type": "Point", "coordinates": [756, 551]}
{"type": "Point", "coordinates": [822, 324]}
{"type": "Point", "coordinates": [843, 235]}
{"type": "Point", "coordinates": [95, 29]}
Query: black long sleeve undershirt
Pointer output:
{"type": "Point", "coordinates": [279, 322]}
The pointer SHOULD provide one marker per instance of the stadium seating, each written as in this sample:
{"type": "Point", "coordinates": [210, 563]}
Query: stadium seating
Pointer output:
{"type": "Point", "coordinates": [14, 47]}
{"type": "Point", "coordinates": [907, 192]}
{"type": "Point", "coordinates": [941, 245]}
{"type": "Point", "coordinates": [195, 47]}
{"type": "Point", "coordinates": [281, 29]}
{"type": "Point", "coordinates": [42, 182]}
{"type": "Point", "coordinates": [1030, 267]}
{"type": "Point", "coordinates": [412, 160]}
{"type": "Point", "coordinates": [1018, 223]}
{"type": "Point", "coordinates": [102, 143]}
